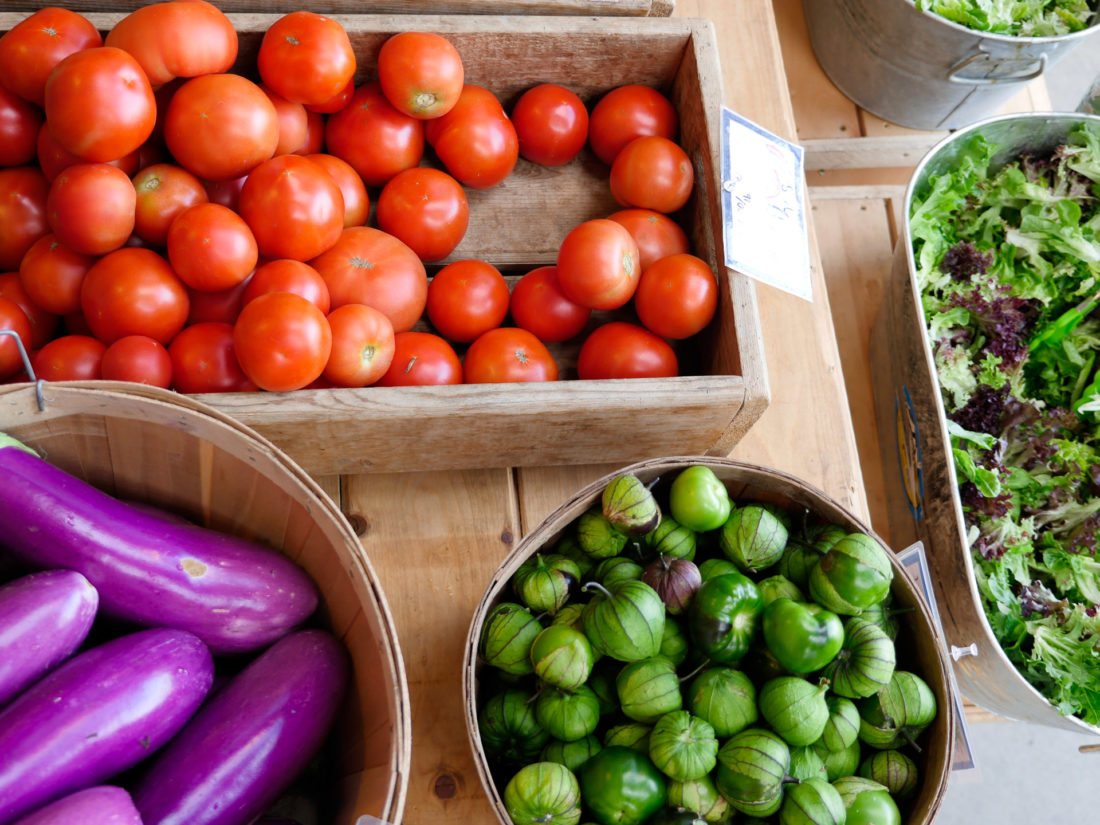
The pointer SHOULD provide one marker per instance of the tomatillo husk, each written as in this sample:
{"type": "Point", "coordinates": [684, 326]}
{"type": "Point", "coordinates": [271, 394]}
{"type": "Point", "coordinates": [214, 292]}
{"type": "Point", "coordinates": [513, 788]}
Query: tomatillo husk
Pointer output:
{"type": "Point", "coordinates": [632, 735]}
{"type": "Point", "coordinates": [701, 796]}
{"type": "Point", "coordinates": [670, 538]}
{"type": "Point", "coordinates": [894, 769]}
{"type": "Point", "coordinates": [629, 505]}
{"type": "Point", "coordinates": [568, 715]}
{"type": "Point", "coordinates": [812, 802]}
{"type": "Point", "coordinates": [543, 793]}
{"type": "Point", "coordinates": [752, 766]}
{"type": "Point", "coordinates": [571, 754]}
{"type": "Point", "coordinates": [753, 537]}
{"type": "Point", "coordinates": [510, 733]}
{"type": "Point", "coordinates": [507, 636]}
{"type": "Point", "coordinates": [865, 663]}
{"type": "Point", "coordinates": [648, 689]}
{"type": "Point", "coordinates": [683, 746]}
{"type": "Point", "coordinates": [597, 537]}
{"type": "Point", "coordinates": [562, 656]}
{"type": "Point", "coordinates": [795, 708]}
{"type": "Point", "coordinates": [625, 621]}
{"type": "Point", "coordinates": [726, 698]}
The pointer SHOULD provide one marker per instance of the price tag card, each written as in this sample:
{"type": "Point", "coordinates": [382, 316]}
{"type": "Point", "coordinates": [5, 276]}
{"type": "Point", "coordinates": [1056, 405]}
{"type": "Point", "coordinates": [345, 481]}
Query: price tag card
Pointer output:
{"type": "Point", "coordinates": [915, 563]}
{"type": "Point", "coordinates": [763, 206]}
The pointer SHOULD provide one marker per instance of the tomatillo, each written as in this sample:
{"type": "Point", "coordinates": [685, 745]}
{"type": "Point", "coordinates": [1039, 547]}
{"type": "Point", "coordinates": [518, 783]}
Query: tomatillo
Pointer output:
{"type": "Point", "coordinates": [622, 786]}
{"type": "Point", "coordinates": [722, 618]}
{"type": "Point", "coordinates": [802, 636]}
{"type": "Point", "coordinates": [698, 499]}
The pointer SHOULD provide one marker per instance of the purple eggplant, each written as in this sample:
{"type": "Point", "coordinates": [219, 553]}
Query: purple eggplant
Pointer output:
{"type": "Point", "coordinates": [100, 713]}
{"type": "Point", "coordinates": [251, 740]}
{"type": "Point", "coordinates": [44, 618]}
{"type": "Point", "coordinates": [234, 594]}
{"type": "Point", "coordinates": [98, 805]}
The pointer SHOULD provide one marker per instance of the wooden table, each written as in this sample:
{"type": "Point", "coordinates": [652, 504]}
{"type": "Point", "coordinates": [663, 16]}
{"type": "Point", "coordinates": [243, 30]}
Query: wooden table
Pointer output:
{"type": "Point", "coordinates": [435, 539]}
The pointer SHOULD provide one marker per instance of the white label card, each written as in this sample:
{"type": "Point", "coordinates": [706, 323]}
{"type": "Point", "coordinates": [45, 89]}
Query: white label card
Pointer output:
{"type": "Point", "coordinates": [763, 206]}
{"type": "Point", "coordinates": [915, 562]}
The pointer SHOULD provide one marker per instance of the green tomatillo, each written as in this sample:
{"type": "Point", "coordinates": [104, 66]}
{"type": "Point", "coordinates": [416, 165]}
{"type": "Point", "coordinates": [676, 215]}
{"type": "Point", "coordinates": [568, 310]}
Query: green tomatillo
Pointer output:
{"type": "Point", "coordinates": [621, 786]}
{"type": "Point", "coordinates": [562, 656]}
{"type": "Point", "coordinates": [867, 802]}
{"type": "Point", "coordinates": [625, 621]}
{"type": "Point", "coordinates": [722, 618]}
{"type": "Point", "coordinates": [698, 499]}
{"type": "Point", "coordinates": [543, 793]}
{"type": "Point", "coordinates": [803, 636]}
{"type": "Point", "coordinates": [853, 575]}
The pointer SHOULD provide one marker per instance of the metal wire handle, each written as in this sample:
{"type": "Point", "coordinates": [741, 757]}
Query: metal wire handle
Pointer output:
{"type": "Point", "coordinates": [38, 382]}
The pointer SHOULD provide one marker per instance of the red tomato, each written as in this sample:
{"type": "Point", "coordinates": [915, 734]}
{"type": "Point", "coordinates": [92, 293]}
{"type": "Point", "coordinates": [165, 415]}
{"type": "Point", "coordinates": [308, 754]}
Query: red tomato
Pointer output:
{"type": "Point", "coordinates": [43, 324]}
{"type": "Point", "coordinates": [335, 103]}
{"type": "Point", "coordinates": [23, 194]}
{"type": "Point", "coordinates": [177, 39]}
{"type": "Point", "coordinates": [293, 124]}
{"type": "Point", "coordinates": [598, 264]}
{"type": "Point", "coordinates": [99, 104]}
{"type": "Point", "coordinates": [306, 57]}
{"type": "Point", "coordinates": [220, 126]}
{"type": "Point", "coordinates": [293, 207]}
{"type": "Point", "coordinates": [652, 173]}
{"type": "Point", "coordinates": [475, 140]}
{"type": "Point", "coordinates": [315, 134]}
{"type": "Point", "coordinates": [55, 159]}
{"type": "Point", "coordinates": [628, 112]}
{"type": "Point", "coordinates": [421, 359]}
{"type": "Point", "coordinates": [13, 318]}
{"type": "Point", "coordinates": [31, 49]}
{"type": "Point", "coordinates": [71, 357]}
{"type": "Point", "coordinates": [223, 306]}
{"type": "Point", "coordinates": [137, 358]}
{"type": "Point", "coordinates": [164, 190]}
{"type": "Point", "coordinates": [211, 247]}
{"type": "Point", "coordinates": [282, 341]}
{"type": "Point", "coordinates": [203, 360]}
{"type": "Point", "coordinates": [677, 296]}
{"type": "Point", "coordinates": [19, 125]}
{"type": "Point", "coordinates": [425, 208]}
{"type": "Point", "coordinates": [376, 139]}
{"type": "Point", "coordinates": [356, 199]}
{"type": "Point", "coordinates": [539, 306]}
{"type": "Point", "coordinates": [467, 298]}
{"type": "Point", "coordinates": [133, 291]}
{"type": "Point", "coordinates": [508, 354]}
{"type": "Point", "coordinates": [551, 124]}
{"type": "Point", "coordinates": [421, 73]}
{"type": "Point", "coordinates": [362, 346]}
{"type": "Point", "coordinates": [656, 234]}
{"type": "Point", "coordinates": [52, 274]}
{"type": "Point", "coordinates": [372, 267]}
{"type": "Point", "coordinates": [621, 350]}
{"type": "Point", "coordinates": [91, 208]}
{"type": "Point", "coordinates": [286, 275]}
{"type": "Point", "coordinates": [225, 192]}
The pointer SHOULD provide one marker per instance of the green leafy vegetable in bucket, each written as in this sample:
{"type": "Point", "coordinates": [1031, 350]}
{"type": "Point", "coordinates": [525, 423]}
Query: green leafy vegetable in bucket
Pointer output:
{"type": "Point", "coordinates": [1008, 268]}
{"type": "Point", "coordinates": [1026, 18]}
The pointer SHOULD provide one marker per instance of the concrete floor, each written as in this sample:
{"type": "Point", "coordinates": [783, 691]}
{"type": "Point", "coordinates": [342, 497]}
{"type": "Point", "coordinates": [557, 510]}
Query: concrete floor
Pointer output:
{"type": "Point", "coordinates": [1028, 774]}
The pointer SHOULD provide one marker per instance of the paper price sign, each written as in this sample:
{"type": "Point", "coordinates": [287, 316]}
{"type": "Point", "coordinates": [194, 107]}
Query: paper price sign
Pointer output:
{"type": "Point", "coordinates": [763, 206]}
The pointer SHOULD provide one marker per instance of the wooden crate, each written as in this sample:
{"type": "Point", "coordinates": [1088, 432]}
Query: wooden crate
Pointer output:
{"type": "Point", "coordinates": [920, 644]}
{"type": "Point", "coordinates": [154, 446]}
{"type": "Point", "coordinates": [518, 225]}
{"type": "Point", "coordinates": [919, 478]}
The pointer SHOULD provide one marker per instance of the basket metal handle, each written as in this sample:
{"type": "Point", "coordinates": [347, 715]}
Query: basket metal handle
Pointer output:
{"type": "Point", "coordinates": [38, 382]}
{"type": "Point", "coordinates": [988, 80]}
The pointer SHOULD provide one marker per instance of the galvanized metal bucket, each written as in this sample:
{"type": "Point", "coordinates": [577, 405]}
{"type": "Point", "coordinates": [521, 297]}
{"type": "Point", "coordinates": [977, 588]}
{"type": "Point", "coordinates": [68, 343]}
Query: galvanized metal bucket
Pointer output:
{"type": "Point", "coordinates": [920, 70]}
{"type": "Point", "coordinates": [921, 483]}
